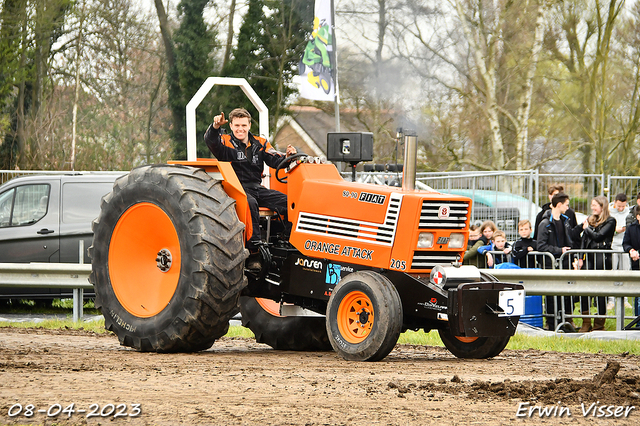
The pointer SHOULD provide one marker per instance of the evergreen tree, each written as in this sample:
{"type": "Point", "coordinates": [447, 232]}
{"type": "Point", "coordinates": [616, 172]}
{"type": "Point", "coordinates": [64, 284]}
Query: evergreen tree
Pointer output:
{"type": "Point", "coordinates": [10, 35]}
{"type": "Point", "coordinates": [270, 44]}
{"type": "Point", "coordinates": [194, 43]}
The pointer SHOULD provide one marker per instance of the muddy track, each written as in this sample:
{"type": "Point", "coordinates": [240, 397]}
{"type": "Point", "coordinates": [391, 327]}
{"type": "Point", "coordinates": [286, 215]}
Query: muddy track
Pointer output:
{"type": "Point", "coordinates": [241, 382]}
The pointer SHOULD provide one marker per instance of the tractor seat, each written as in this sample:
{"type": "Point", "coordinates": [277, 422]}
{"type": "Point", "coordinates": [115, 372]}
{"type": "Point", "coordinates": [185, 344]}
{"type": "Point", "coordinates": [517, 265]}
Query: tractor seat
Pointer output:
{"type": "Point", "coordinates": [267, 214]}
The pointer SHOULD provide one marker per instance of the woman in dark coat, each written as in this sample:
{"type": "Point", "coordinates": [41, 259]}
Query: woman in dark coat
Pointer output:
{"type": "Point", "coordinates": [597, 233]}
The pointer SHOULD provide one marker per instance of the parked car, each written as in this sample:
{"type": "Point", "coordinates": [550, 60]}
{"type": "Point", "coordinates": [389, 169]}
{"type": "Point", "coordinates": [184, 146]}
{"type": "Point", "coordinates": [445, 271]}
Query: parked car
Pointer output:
{"type": "Point", "coordinates": [43, 219]}
{"type": "Point", "coordinates": [505, 209]}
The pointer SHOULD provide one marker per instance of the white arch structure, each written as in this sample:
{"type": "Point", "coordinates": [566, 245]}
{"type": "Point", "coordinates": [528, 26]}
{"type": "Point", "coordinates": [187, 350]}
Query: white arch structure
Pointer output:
{"type": "Point", "coordinates": [206, 87]}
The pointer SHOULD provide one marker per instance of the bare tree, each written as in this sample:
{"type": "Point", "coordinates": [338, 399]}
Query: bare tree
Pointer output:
{"type": "Point", "coordinates": [586, 30]}
{"type": "Point", "coordinates": [470, 48]}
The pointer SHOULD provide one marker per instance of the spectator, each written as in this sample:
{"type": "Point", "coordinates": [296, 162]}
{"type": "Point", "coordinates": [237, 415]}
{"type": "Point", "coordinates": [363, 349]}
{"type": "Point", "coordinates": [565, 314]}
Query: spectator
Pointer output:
{"type": "Point", "coordinates": [487, 229]}
{"type": "Point", "coordinates": [553, 190]}
{"type": "Point", "coordinates": [475, 242]}
{"type": "Point", "coordinates": [619, 211]}
{"type": "Point", "coordinates": [499, 243]}
{"type": "Point", "coordinates": [631, 245]}
{"type": "Point", "coordinates": [524, 246]}
{"type": "Point", "coordinates": [630, 216]}
{"type": "Point", "coordinates": [598, 231]}
{"type": "Point", "coordinates": [555, 235]}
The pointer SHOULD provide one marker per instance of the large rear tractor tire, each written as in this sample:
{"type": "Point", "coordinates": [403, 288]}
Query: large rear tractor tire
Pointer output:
{"type": "Point", "coordinates": [475, 347]}
{"type": "Point", "coordinates": [168, 259]}
{"type": "Point", "coordinates": [364, 317]}
{"type": "Point", "coordinates": [283, 333]}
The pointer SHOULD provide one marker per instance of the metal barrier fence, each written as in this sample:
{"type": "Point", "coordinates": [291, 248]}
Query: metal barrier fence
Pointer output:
{"type": "Point", "coordinates": [503, 197]}
{"type": "Point", "coordinates": [52, 275]}
{"type": "Point", "coordinates": [629, 185]}
{"type": "Point", "coordinates": [548, 282]}
{"type": "Point", "coordinates": [559, 307]}
{"type": "Point", "coordinates": [580, 187]}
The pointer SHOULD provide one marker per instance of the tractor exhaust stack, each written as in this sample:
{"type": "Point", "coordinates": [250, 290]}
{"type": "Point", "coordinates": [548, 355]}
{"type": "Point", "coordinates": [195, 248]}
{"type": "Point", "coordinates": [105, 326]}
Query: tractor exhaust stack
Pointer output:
{"type": "Point", "coordinates": [410, 155]}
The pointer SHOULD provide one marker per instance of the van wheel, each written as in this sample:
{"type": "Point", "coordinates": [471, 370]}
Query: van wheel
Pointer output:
{"type": "Point", "coordinates": [364, 317]}
{"type": "Point", "coordinates": [262, 316]}
{"type": "Point", "coordinates": [168, 259]}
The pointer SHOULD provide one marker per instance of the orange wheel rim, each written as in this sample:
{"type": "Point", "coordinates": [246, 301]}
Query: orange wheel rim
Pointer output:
{"type": "Point", "coordinates": [272, 307]}
{"type": "Point", "coordinates": [355, 317]}
{"type": "Point", "coordinates": [466, 339]}
{"type": "Point", "coordinates": [144, 260]}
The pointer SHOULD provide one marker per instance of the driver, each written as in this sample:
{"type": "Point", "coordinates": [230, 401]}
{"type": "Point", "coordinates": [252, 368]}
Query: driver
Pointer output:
{"type": "Point", "coordinates": [247, 154]}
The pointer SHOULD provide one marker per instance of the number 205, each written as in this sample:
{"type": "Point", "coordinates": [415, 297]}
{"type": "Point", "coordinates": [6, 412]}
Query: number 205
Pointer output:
{"type": "Point", "coordinates": [398, 264]}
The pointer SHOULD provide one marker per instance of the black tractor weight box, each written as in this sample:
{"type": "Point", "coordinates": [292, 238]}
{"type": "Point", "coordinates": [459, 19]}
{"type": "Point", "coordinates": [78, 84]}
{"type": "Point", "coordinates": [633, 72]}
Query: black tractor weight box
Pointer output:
{"type": "Point", "coordinates": [350, 147]}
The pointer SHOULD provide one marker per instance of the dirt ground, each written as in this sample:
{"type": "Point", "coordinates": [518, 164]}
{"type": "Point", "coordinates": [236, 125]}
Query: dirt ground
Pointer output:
{"type": "Point", "coordinates": [241, 382]}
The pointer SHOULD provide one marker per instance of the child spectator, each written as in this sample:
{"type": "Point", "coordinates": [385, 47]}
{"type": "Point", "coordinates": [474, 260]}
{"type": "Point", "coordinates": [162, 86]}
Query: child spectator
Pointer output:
{"type": "Point", "coordinates": [487, 229]}
{"type": "Point", "coordinates": [499, 243]}
{"type": "Point", "coordinates": [475, 242]}
{"type": "Point", "coordinates": [524, 246]}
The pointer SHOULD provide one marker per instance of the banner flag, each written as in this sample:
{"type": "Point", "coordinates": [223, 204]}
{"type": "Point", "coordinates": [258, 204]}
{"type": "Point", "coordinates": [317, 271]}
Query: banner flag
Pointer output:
{"type": "Point", "coordinates": [316, 68]}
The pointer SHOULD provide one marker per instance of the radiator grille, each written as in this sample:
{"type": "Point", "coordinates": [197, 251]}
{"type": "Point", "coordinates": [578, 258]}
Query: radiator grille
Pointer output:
{"type": "Point", "coordinates": [458, 212]}
{"type": "Point", "coordinates": [429, 259]}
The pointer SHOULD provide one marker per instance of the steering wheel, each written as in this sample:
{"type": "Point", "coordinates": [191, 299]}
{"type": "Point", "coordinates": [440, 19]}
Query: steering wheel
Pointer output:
{"type": "Point", "coordinates": [285, 162]}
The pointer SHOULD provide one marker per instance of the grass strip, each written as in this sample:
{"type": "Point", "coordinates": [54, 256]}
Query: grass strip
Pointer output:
{"type": "Point", "coordinates": [557, 343]}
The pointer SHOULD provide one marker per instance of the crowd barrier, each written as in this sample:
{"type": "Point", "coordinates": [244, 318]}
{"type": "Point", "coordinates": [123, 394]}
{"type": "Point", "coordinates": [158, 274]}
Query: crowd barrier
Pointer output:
{"type": "Point", "coordinates": [559, 310]}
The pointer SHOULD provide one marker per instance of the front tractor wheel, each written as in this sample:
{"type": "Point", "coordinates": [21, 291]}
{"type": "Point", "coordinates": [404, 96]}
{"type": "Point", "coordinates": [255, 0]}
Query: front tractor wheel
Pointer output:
{"type": "Point", "coordinates": [473, 347]}
{"type": "Point", "coordinates": [364, 317]}
{"type": "Point", "coordinates": [167, 259]}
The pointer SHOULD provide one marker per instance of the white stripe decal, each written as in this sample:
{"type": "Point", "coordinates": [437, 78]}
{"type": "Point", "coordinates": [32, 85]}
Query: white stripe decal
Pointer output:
{"type": "Point", "coordinates": [353, 230]}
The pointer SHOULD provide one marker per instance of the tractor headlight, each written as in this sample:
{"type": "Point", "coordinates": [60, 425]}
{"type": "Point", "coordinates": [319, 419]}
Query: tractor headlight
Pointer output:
{"type": "Point", "coordinates": [425, 240]}
{"type": "Point", "coordinates": [456, 241]}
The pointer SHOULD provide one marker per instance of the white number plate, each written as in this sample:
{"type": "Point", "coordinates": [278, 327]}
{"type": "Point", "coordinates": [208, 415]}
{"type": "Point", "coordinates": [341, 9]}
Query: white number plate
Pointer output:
{"type": "Point", "coordinates": [512, 302]}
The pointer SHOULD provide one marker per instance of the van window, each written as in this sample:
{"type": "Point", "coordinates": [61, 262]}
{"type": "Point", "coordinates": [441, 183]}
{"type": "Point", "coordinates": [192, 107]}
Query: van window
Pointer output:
{"type": "Point", "coordinates": [24, 205]}
{"type": "Point", "coordinates": [6, 204]}
{"type": "Point", "coordinates": [81, 201]}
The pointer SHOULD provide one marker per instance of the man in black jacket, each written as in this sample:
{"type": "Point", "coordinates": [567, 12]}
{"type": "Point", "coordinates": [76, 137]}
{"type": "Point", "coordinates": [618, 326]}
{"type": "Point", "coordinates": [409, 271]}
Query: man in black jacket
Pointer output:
{"type": "Point", "coordinates": [247, 154]}
{"type": "Point", "coordinates": [553, 190]}
{"type": "Point", "coordinates": [554, 235]}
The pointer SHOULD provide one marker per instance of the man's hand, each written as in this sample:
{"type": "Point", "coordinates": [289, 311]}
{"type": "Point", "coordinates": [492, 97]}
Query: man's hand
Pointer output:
{"type": "Point", "coordinates": [634, 254]}
{"type": "Point", "coordinates": [529, 248]}
{"type": "Point", "coordinates": [507, 250]}
{"type": "Point", "coordinates": [219, 120]}
{"type": "Point", "coordinates": [291, 150]}
{"type": "Point", "coordinates": [565, 249]}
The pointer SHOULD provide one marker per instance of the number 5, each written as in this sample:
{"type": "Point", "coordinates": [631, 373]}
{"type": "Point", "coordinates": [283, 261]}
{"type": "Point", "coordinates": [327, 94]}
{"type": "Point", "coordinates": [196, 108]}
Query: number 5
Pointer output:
{"type": "Point", "coordinates": [510, 306]}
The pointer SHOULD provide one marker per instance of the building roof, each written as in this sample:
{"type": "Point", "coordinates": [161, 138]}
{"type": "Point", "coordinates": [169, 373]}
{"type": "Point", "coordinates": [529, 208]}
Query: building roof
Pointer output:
{"type": "Point", "coordinates": [312, 125]}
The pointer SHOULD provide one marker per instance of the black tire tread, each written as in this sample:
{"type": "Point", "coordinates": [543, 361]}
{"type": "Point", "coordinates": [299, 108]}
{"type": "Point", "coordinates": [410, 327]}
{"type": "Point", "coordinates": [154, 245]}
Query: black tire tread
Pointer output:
{"type": "Point", "coordinates": [215, 257]}
{"type": "Point", "coordinates": [483, 347]}
{"type": "Point", "coordinates": [386, 329]}
{"type": "Point", "coordinates": [284, 333]}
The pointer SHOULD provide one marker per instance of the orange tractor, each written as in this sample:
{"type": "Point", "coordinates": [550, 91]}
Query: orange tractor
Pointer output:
{"type": "Point", "coordinates": [362, 263]}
